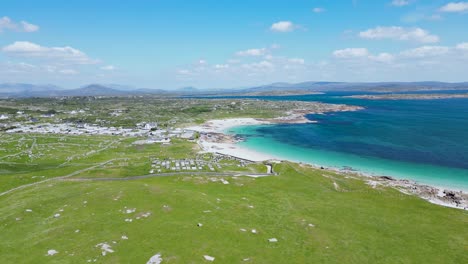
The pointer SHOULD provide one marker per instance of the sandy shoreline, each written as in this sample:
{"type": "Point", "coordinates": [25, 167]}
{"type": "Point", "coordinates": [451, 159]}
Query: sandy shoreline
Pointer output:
{"type": "Point", "coordinates": [214, 139]}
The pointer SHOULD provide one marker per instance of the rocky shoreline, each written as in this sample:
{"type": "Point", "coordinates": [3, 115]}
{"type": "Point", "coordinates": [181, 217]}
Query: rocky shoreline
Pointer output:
{"type": "Point", "coordinates": [436, 195]}
{"type": "Point", "coordinates": [214, 139]}
{"type": "Point", "coordinates": [298, 116]}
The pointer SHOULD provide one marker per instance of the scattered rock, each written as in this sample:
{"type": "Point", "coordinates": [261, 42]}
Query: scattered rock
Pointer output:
{"type": "Point", "coordinates": [145, 215]}
{"type": "Point", "coordinates": [56, 215]}
{"type": "Point", "coordinates": [130, 211]}
{"type": "Point", "coordinates": [273, 240]}
{"type": "Point", "coordinates": [129, 220]}
{"type": "Point", "coordinates": [199, 224]}
{"type": "Point", "coordinates": [243, 230]}
{"type": "Point", "coordinates": [51, 252]}
{"type": "Point", "coordinates": [254, 231]}
{"type": "Point", "coordinates": [224, 181]}
{"type": "Point", "coordinates": [28, 210]}
{"type": "Point", "coordinates": [77, 231]}
{"type": "Point", "coordinates": [156, 259]}
{"type": "Point", "coordinates": [105, 248]}
{"type": "Point", "coordinates": [209, 258]}
{"type": "Point", "coordinates": [124, 237]}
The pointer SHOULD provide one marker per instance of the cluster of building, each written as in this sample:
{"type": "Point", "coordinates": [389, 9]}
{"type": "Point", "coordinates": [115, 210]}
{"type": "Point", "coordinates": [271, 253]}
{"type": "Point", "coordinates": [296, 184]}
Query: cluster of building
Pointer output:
{"type": "Point", "coordinates": [154, 135]}
{"type": "Point", "coordinates": [75, 129]}
{"type": "Point", "coordinates": [182, 165]}
{"type": "Point", "coordinates": [197, 164]}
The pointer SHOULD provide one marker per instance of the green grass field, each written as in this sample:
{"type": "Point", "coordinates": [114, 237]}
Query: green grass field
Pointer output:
{"type": "Point", "coordinates": [313, 220]}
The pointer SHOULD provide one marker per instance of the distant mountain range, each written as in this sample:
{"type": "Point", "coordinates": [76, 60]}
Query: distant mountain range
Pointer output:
{"type": "Point", "coordinates": [30, 90]}
{"type": "Point", "coordinates": [371, 87]}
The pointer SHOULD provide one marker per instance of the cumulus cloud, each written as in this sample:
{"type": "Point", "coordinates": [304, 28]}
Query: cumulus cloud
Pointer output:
{"type": "Point", "coordinates": [7, 24]}
{"type": "Point", "coordinates": [383, 57]}
{"type": "Point", "coordinates": [351, 53]}
{"type": "Point", "coordinates": [253, 52]}
{"type": "Point", "coordinates": [399, 33]}
{"type": "Point", "coordinates": [66, 54]}
{"type": "Point", "coordinates": [68, 72]}
{"type": "Point", "coordinates": [455, 7]}
{"type": "Point", "coordinates": [363, 54]}
{"type": "Point", "coordinates": [426, 51]}
{"type": "Point", "coordinates": [318, 10]}
{"type": "Point", "coordinates": [221, 66]}
{"type": "Point", "coordinates": [400, 3]}
{"type": "Point", "coordinates": [28, 27]}
{"type": "Point", "coordinates": [283, 26]}
{"type": "Point", "coordinates": [108, 68]}
{"type": "Point", "coordinates": [409, 56]}
{"type": "Point", "coordinates": [296, 60]}
{"type": "Point", "coordinates": [259, 66]}
{"type": "Point", "coordinates": [462, 46]}
{"type": "Point", "coordinates": [184, 72]}
{"type": "Point", "coordinates": [348, 64]}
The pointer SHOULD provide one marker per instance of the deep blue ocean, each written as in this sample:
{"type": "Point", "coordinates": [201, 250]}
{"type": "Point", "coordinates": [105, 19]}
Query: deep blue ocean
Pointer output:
{"type": "Point", "coordinates": [422, 140]}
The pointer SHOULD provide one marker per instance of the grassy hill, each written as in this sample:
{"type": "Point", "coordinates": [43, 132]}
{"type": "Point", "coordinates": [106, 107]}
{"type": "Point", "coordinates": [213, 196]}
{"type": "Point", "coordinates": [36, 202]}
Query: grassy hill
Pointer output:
{"type": "Point", "coordinates": [316, 216]}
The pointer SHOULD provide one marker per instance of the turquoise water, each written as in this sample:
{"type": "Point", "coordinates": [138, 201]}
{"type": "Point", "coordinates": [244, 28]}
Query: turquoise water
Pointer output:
{"type": "Point", "coordinates": [422, 140]}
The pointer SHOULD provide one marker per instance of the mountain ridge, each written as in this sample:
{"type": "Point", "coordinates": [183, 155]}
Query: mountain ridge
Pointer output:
{"type": "Point", "coordinates": [48, 90]}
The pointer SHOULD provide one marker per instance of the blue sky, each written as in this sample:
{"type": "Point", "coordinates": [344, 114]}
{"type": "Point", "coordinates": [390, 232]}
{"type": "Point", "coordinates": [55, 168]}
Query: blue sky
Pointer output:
{"type": "Point", "coordinates": [216, 44]}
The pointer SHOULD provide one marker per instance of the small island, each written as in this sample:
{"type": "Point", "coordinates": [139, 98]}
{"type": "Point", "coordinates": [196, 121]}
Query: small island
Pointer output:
{"type": "Point", "coordinates": [408, 96]}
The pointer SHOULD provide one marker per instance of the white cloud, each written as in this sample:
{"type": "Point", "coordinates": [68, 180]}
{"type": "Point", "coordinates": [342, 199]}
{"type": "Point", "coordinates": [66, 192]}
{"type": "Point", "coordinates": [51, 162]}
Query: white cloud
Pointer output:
{"type": "Point", "coordinates": [400, 33]}
{"type": "Point", "coordinates": [7, 24]}
{"type": "Point", "coordinates": [425, 51]}
{"type": "Point", "coordinates": [283, 26]}
{"type": "Point", "coordinates": [462, 46]}
{"type": "Point", "coordinates": [351, 64]}
{"type": "Point", "coordinates": [253, 52]}
{"type": "Point", "coordinates": [383, 57]}
{"type": "Point", "coordinates": [296, 61]}
{"type": "Point", "coordinates": [60, 54]}
{"type": "Point", "coordinates": [108, 68]}
{"type": "Point", "coordinates": [185, 72]}
{"type": "Point", "coordinates": [400, 2]}
{"type": "Point", "coordinates": [318, 10]}
{"type": "Point", "coordinates": [234, 61]}
{"type": "Point", "coordinates": [275, 46]}
{"type": "Point", "coordinates": [262, 65]}
{"type": "Point", "coordinates": [455, 7]}
{"type": "Point", "coordinates": [221, 66]}
{"type": "Point", "coordinates": [28, 27]}
{"type": "Point", "coordinates": [415, 17]}
{"type": "Point", "coordinates": [363, 54]}
{"type": "Point", "coordinates": [68, 72]}
{"type": "Point", "coordinates": [351, 53]}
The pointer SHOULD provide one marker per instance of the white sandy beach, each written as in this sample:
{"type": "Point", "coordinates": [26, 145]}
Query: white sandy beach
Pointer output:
{"type": "Point", "coordinates": [232, 149]}
{"type": "Point", "coordinates": [220, 126]}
